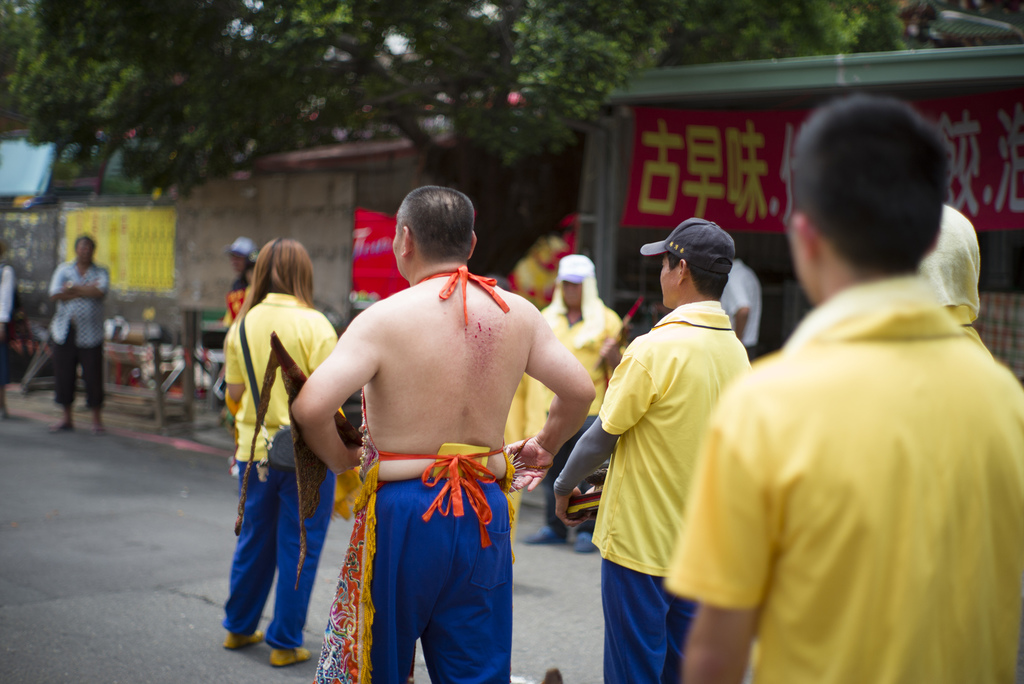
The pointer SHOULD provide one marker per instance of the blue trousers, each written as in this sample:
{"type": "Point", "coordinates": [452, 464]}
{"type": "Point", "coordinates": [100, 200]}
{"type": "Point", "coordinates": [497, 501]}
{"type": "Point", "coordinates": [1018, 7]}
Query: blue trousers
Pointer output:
{"type": "Point", "coordinates": [645, 627]}
{"type": "Point", "coordinates": [433, 582]}
{"type": "Point", "coordinates": [269, 541]}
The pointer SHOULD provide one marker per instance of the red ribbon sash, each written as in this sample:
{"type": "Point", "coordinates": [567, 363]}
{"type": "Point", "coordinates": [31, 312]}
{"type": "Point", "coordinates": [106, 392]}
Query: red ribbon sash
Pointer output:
{"type": "Point", "coordinates": [462, 476]}
{"type": "Point", "coordinates": [463, 276]}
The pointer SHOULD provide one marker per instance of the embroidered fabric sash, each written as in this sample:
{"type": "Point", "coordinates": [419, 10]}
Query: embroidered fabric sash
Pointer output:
{"type": "Point", "coordinates": [463, 276]}
{"type": "Point", "coordinates": [462, 473]}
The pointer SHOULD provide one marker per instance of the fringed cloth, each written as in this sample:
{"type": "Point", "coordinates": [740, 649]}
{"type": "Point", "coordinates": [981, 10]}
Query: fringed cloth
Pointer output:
{"type": "Point", "coordinates": [345, 658]}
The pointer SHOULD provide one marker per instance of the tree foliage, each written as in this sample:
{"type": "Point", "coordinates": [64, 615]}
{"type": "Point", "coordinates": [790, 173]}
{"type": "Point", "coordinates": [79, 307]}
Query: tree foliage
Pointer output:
{"type": "Point", "coordinates": [194, 89]}
{"type": "Point", "coordinates": [207, 84]}
{"type": "Point", "coordinates": [16, 32]}
{"type": "Point", "coordinates": [739, 30]}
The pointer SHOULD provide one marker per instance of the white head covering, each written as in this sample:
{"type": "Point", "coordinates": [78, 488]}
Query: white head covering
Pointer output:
{"type": "Point", "coordinates": [575, 268]}
{"type": "Point", "coordinates": [579, 269]}
{"type": "Point", "coordinates": [953, 267]}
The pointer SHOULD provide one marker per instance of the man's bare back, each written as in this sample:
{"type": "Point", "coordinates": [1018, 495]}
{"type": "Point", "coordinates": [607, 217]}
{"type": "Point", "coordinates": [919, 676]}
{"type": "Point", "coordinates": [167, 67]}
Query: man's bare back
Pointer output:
{"type": "Point", "coordinates": [441, 379]}
{"type": "Point", "coordinates": [434, 372]}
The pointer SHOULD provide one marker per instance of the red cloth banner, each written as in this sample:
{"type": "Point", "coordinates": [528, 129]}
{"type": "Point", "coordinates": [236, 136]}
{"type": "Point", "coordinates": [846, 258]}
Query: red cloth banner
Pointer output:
{"type": "Point", "coordinates": [374, 271]}
{"type": "Point", "coordinates": [735, 167]}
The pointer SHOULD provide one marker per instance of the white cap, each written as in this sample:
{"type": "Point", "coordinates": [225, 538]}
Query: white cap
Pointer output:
{"type": "Point", "coordinates": [242, 246]}
{"type": "Point", "coordinates": [575, 268]}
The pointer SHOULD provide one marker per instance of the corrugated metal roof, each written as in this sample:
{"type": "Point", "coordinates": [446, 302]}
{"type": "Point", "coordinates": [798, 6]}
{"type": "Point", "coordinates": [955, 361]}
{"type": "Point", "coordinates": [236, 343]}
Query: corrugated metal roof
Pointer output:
{"type": "Point", "coordinates": [796, 82]}
{"type": "Point", "coordinates": [992, 26]}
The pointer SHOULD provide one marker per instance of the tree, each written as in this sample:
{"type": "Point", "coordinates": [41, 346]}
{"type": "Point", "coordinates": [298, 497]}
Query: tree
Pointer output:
{"type": "Point", "coordinates": [16, 27]}
{"type": "Point", "coordinates": [208, 84]}
{"type": "Point", "coordinates": [193, 89]}
{"type": "Point", "coordinates": [739, 30]}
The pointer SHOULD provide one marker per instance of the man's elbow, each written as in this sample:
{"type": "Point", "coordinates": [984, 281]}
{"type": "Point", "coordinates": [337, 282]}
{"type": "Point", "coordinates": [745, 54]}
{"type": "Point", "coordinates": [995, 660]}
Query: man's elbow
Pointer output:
{"type": "Point", "coordinates": [301, 410]}
{"type": "Point", "coordinates": [584, 394]}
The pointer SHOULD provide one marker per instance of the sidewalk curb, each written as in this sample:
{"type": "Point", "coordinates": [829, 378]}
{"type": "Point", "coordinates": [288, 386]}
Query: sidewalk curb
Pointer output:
{"type": "Point", "coordinates": [176, 442]}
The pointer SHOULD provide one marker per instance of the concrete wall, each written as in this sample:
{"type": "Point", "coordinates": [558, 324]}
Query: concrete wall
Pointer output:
{"type": "Point", "coordinates": [383, 185]}
{"type": "Point", "coordinates": [315, 208]}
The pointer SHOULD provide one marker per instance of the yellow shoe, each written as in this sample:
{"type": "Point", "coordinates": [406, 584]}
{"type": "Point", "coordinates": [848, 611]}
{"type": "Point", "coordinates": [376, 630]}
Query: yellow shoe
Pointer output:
{"type": "Point", "coordinates": [234, 641]}
{"type": "Point", "coordinates": [279, 657]}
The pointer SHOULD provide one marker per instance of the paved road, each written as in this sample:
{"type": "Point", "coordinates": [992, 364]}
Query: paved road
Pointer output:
{"type": "Point", "coordinates": [114, 559]}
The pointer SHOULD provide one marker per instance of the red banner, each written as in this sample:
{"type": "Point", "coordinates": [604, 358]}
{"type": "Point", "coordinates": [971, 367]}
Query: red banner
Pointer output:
{"type": "Point", "coordinates": [734, 167]}
{"type": "Point", "coordinates": [374, 271]}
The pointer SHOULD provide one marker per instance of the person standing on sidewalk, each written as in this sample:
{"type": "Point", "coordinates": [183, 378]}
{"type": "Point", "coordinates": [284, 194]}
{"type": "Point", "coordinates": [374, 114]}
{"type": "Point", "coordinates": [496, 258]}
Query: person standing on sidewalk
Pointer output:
{"type": "Point", "coordinates": [280, 300]}
{"type": "Point", "coordinates": [242, 253]}
{"type": "Point", "coordinates": [590, 330]}
{"type": "Point", "coordinates": [7, 289]}
{"type": "Point", "coordinates": [651, 424]}
{"type": "Point", "coordinates": [76, 332]}
{"type": "Point", "coordinates": [858, 508]}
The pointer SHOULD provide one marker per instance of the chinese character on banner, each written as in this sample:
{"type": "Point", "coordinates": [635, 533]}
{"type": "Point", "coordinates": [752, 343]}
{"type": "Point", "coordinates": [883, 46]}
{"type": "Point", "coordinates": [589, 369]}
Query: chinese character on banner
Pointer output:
{"type": "Point", "coordinates": [1011, 149]}
{"type": "Point", "coordinates": [786, 170]}
{"type": "Point", "coordinates": [663, 141]}
{"type": "Point", "coordinates": [746, 171]}
{"type": "Point", "coordinates": [715, 163]}
{"type": "Point", "coordinates": [964, 160]}
{"type": "Point", "coordinates": [703, 160]}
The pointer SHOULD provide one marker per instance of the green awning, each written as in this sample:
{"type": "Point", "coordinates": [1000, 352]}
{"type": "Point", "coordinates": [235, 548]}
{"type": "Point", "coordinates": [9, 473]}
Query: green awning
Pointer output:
{"type": "Point", "coordinates": [799, 82]}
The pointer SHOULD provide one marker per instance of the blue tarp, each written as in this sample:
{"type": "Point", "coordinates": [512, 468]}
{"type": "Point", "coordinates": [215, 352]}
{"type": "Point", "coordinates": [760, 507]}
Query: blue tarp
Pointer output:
{"type": "Point", "coordinates": [25, 168]}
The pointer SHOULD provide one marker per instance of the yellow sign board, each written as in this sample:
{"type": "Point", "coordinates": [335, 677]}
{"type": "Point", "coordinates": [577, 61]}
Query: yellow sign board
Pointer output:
{"type": "Point", "coordinates": [135, 243]}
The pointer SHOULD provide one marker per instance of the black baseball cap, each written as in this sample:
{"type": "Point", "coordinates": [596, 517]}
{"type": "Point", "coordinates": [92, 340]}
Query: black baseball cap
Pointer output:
{"type": "Point", "coordinates": [700, 243]}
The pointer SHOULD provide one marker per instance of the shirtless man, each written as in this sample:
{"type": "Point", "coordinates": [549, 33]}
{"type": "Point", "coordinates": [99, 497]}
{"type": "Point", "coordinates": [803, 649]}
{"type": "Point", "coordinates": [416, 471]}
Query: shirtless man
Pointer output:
{"type": "Point", "coordinates": [438, 364]}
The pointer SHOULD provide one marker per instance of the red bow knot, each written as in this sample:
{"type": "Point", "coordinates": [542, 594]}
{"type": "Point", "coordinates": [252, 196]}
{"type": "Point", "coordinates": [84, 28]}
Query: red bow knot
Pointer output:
{"type": "Point", "coordinates": [456, 479]}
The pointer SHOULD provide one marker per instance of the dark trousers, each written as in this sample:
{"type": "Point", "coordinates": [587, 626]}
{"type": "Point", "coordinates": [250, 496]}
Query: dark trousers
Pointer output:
{"type": "Point", "coordinates": [548, 483]}
{"type": "Point", "coordinates": [645, 627]}
{"type": "Point", "coordinates": [66, 359]}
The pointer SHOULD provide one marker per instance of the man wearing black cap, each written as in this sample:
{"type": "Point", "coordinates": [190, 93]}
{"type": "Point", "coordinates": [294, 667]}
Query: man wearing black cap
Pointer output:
{"type": "Point", "coordinates": [651, 423]}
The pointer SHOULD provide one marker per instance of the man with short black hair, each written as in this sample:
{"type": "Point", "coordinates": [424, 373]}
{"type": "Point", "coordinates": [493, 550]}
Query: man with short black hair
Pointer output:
{"type": "Point", "coordinates": [76, 333]}
{"type": "Point", "coordinates": [859, 503]}
{"type": "Point", "coordinates": [443, 220]}
{"type": "Point", "coordinates": [430, 556]}
{"type": "Point", "coordinates": [654, 413]}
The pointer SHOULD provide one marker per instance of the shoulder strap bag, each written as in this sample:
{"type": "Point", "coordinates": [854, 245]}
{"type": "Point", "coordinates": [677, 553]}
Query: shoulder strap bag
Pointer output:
{"type": "Point", "coordinates": [280, 449]}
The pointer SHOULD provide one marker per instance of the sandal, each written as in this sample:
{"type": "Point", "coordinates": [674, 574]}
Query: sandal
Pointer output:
{"type": "Point", "coordinates": [62, 427]}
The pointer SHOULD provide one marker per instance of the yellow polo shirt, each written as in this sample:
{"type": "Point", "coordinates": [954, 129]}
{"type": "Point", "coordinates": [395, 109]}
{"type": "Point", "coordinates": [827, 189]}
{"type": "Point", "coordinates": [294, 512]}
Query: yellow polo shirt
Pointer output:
{"type": "Point", "coordinates": [660, 400]}
{"type": "Point", "coordinates": [864, 488]}
{"type": "Point", "coordinates": [307, 335]}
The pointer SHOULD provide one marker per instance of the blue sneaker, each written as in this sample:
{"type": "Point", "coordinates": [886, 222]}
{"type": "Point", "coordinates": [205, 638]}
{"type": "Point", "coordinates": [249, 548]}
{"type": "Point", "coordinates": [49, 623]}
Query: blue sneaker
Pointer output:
{"type": "Point", "coordinates": [544, 535]}
{"type": "Point", "coordinates": [584, 543]}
